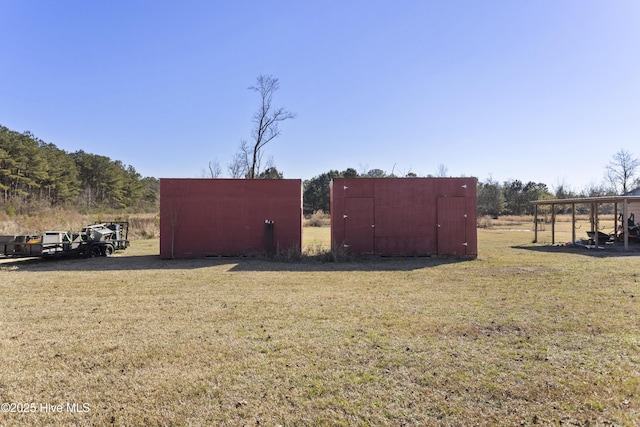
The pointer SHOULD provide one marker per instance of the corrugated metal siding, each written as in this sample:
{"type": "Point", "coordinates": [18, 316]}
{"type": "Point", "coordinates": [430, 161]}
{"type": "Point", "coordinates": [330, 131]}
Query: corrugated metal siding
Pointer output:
{"type": "Point", "coordinates": [358, 224]}
{"type": "Point", "coordinates": [452, 238]}
{"type": "Point", "coordinates": [405, 216]}
{"type": "Point", "coordinates": [202, 217]}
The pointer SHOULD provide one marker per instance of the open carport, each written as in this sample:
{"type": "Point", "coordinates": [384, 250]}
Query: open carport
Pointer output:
{"type": "Point", "coordinates": [628, 206]}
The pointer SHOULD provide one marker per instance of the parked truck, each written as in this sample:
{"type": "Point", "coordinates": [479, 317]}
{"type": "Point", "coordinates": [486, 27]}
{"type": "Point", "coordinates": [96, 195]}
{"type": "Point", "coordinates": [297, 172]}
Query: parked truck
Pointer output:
{"type": "Point", "coordinates": [92, 241]}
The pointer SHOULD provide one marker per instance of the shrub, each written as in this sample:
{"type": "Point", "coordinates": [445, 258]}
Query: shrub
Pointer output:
{"type": "Point", "coordinates": [485, 222]}
{"type": "Point", "coordinates": [318, 219]}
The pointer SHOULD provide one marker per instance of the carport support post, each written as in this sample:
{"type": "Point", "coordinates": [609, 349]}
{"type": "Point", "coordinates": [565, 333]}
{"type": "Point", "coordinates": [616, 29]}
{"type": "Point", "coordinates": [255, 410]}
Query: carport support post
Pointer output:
{"type": "Point", "coordinates": [595, 224]}
{"type": "Point", "coordinates": [553, 224]}
{"type": "Point", "coordinates": [591, 216]}
{"type": "Point", "coordinates": [573, 223]}
{"type": "Point", "coordinates": [535, 222]}
{"type": "Point", "coordinates": [615, 220]}
{"type": "Point", "coordinates": [625, 225]}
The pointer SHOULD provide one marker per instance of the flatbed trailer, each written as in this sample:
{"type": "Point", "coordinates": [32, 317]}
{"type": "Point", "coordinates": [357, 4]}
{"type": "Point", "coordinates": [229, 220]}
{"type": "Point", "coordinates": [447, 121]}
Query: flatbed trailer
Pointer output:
{"type": "Point", "coordinates": [93, 241]}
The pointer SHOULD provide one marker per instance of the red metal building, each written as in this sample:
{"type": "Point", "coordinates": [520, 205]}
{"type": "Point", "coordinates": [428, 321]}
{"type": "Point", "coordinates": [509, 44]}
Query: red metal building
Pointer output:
{"type": "Point", "coordinates": [405, 216]}
{"type": "Point", "coordinates": [208, 217]}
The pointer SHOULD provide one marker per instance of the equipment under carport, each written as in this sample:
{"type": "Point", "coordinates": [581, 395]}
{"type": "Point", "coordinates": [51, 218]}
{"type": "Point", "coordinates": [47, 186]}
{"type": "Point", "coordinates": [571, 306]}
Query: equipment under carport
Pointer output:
{"type": "Point", "coordinates": [629, 205]}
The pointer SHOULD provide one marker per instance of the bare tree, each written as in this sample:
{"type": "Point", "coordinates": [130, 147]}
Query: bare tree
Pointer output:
{"type": "Point", "coordinates": [239, 165]}
{"type": "Point", "coordinates": [266, 122]}
{"type": "Point", "coordinates": [621, 171]}
{"type": "Point", "coordinates": [442, 171]}
{"type": "Point", "coordinates": [214, 170]}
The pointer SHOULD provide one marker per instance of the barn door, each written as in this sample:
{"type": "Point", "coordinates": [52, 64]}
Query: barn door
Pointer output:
{"type": "Point", "coordinates": [358, 224]}
{"type": "Point", "coordinates": [452, 221]}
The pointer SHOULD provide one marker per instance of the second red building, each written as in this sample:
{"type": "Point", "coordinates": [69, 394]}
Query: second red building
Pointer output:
{"type": "Point", "coordinates": [404, 216]}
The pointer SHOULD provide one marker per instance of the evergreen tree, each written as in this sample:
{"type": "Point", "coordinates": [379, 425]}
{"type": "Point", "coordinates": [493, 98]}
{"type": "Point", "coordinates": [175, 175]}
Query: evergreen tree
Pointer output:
{"type": "Point", "coordinates": [34, 173]}
{"type": "Point", "coordinates": [490, 199]}
{"type": "Point", "coordinates": [317, 195]}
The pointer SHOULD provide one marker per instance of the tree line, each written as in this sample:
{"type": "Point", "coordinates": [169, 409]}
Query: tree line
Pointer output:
{"type": "Point", "coordinates": [511, 197]}
{"type": "Point", "coordinates": [316, 196]}
{"type": "Point", "coordinates": [514, 197]}
{"type": "Point", "coordinates": [36, 174]}
{"type": "Point", "coordinates": [493, 198]}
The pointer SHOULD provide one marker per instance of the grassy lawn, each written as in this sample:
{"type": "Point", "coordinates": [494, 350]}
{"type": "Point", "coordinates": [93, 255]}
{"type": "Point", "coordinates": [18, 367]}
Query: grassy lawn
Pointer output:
{"type": "Point", "coordinates": [526, 334]}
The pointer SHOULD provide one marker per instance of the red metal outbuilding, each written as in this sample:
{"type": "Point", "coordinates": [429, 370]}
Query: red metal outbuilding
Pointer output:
{"type": "Point", "coordinates": [208, 217]}
{"type": "Point", "coordinates": [405, 216]}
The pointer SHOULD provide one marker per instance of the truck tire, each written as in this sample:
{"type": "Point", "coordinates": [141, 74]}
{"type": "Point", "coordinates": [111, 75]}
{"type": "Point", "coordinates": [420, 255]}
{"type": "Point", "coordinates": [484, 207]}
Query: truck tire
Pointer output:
{"type": "Point", "coordinates": [108, 250]}
{"type": "Point", "coordinates": [94, 251]}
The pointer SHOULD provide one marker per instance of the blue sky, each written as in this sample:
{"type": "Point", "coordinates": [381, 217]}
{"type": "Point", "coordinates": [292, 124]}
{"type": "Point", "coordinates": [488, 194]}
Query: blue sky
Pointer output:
{"type": "Point", "coordinates": [543, 91]}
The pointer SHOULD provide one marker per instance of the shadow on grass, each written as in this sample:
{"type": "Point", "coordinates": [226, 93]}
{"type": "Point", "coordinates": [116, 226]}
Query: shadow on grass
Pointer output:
{"type": "Point", "coordinates": [369, 263]}
{"type": "Point", "coordinates": [602, 251]}
{"type": "Point", "coordinates": [234, 264]}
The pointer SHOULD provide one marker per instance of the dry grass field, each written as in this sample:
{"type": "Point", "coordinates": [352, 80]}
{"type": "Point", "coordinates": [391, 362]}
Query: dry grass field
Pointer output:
{"type": "Point", "coordinates": [525, 334]}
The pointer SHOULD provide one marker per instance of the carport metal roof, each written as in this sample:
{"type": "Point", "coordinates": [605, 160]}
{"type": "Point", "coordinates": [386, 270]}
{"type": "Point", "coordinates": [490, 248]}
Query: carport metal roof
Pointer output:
{"type": "Point", "coordinates": [594, 203]}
